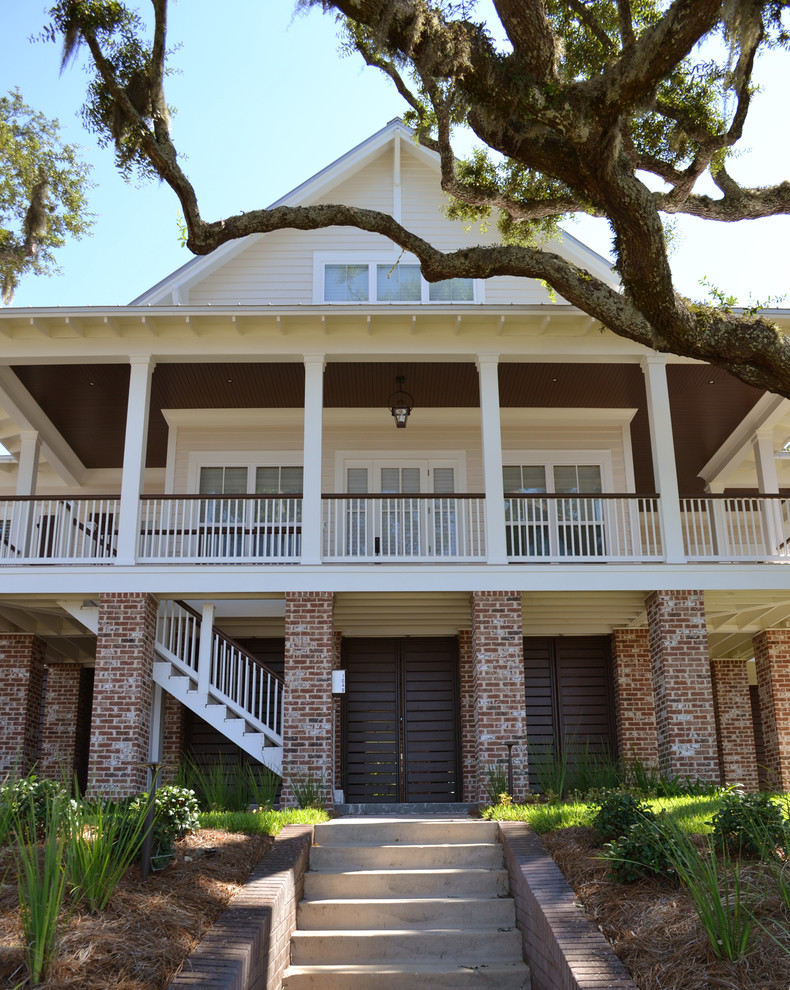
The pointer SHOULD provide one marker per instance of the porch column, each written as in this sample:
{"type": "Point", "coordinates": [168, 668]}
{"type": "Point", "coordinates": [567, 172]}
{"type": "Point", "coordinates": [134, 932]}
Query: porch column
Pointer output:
{"type": "Point", "coordinates": [122, 694]}
{"type": "Point", "coordinates": [654, 367]}
{"type": "Point", "coordinates": [685, 720]}
{"type": "Point", "coordinates": [491, 431]}
{"type": "Point", "coordinates": [772, 657]}
{"type": "Point", "coordinates": [21, 682]}
{"type": "Point", "coordinates": [59, 726]}
{"type": "Point", "coordinates": [134, 449]}
{"type": "Point", "coordinates": [765, 462]}
{"type": "Point", "coordinates": [498, 687]}
{"type": "Point", "coordinates": [308, 748]}
{"type": "Point", "coordinates": [734, 725]}
{"type": "Point", "coordinates": [635, 709]}
{"type": "Point", "coordinates": [27, 470]}
{"type": "Point", "coordinates": [313, 440]}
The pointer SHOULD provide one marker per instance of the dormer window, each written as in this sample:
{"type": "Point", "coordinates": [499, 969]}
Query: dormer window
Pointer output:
{"type": "Point", "coordinates": [387, 282]}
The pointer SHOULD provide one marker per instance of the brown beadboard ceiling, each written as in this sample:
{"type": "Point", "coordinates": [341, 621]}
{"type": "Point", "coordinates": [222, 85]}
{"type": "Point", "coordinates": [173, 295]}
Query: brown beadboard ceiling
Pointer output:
{"type": "Point", "coordinates": [88, 402]}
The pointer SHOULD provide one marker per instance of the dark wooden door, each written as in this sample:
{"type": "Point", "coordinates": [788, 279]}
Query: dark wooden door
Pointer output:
{"type": "Point", "coordinates": [401, 720]}
{"type": "Point", "coordinates": [569, 702]}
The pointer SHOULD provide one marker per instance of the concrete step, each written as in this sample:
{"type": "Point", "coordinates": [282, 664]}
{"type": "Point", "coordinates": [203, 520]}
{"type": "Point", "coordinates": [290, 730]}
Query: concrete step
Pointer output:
{"type": "Point", "coordinates": [412, 831]}
{"type": "Point", "coordinates": [339, 859]}
{"type": "Point", "coordinates": [405, 913]}
{"type": "Point", "coordinates": [409, 976]}
{"type": "Point", "coordinates": [468, 947]}
{"type": "Point", "coordinates": [427, 809]}
{"type": "Point", "coordinates": [407, 883]}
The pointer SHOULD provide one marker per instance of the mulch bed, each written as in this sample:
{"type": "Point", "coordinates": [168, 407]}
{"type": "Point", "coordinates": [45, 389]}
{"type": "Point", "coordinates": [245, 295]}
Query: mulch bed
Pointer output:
{"type": "Point", "coordinates": [143, 937]}
{"type": "Point", "coordinates": [655, 930]}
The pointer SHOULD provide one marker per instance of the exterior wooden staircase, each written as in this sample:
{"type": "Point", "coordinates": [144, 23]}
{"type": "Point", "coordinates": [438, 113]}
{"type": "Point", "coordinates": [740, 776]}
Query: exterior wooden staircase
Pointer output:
{"type": "Point", "coordinates": [406, 903]}
{"type": "Point", "coordinates": [220, 681]}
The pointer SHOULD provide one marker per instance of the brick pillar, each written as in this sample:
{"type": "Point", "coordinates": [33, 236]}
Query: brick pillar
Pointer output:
{"type": "Point", "coordinates": [734, 726]}
{"type": "Point", "coordinates": [635, 709]}
{"type": "Point", "coordinates": [498, 686]}
{"type": "Point", "coordinates": [466, 683]}
{"type": "Point", "coordinates": [685, 718]}
{"type": "Point", "coordinates": [123, 689]}
{"type": "Point", "coordinates": [21, 682]}
{"type": "Point", "coordinates": [307, 705]}
{"type": "Point", "coordinates": [173, 719]}
{"type": "Point", "coordinates": [772, 657]}
{"type": "Point", "coordinates": [59, 728]}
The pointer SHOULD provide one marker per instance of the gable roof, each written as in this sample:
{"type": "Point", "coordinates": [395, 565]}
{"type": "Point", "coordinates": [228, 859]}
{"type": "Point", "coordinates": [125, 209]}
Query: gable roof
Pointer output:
{"type": "Point", "coordinates": [168, 290]}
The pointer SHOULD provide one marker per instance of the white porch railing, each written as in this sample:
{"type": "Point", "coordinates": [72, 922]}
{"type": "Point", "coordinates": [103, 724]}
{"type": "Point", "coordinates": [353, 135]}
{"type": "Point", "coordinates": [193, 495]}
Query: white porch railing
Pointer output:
{"type": "Point", "coordinates": [58, 530]}
{"type": "Point", "coordinates": [238, 529]}
{"type": "Point", "coordinates": [565, 528]}
{"type": "Point", "coordinates": [736, 528]}
{"type": "Point", "coordinates": [403, 527]}
{"type": "Point", "coordinates": [236, 679]}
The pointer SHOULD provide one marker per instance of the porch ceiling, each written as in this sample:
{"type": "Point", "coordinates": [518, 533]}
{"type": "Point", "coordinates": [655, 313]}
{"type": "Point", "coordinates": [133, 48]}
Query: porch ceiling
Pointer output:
{"type": "Point", "coordinates": [87, 403]}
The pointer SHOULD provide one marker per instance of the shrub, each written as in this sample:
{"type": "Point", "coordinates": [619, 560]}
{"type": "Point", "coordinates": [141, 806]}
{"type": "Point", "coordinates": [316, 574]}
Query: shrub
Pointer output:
{"type": "Point", "coordinates": [751, 823]}
{"type": "Point", "coordinates": [308, 789]}
{"type": "Point", "coordinates": [495, 782]}
{"type": "Point", "coordinates": [641, 852]}
{"type": "Point", "coordinates": [30, 796]}
{"type": "Point", "coordinates": [177, 813]}
{"type": "Point", "coordinates": [617, 813]}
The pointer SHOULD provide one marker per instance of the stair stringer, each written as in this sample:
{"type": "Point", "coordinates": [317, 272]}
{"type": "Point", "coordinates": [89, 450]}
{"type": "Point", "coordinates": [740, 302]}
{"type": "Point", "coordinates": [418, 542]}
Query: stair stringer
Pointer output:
{"type": "Point", "coordinates": [250, 735]}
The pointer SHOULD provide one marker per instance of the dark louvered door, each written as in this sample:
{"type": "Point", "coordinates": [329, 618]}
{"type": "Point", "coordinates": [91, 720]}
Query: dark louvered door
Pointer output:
{"type": "Point", "coordinates": [401, 720]}
{"type": "Point", "coordinates": [568, 698]}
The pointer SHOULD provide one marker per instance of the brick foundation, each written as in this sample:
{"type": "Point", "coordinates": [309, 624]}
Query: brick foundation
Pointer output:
{"type": "Point", "coordinates": [498, 686]}
{"type": "Point", "coordinates": [734, 726]}
{"type": "Point", "coordinates": [467, 701]}
{"type": "Point", "coordinates": [632, 683]}
{"type": "Point", "coordinates": [307, 704]}
{"type": "Point", "coordinates": [57, 758]}
{"type": "Point", "coordinates": [21, 682]}
{"type": "Point", "coordinates": [772, 657]}
{"type": "Point", "coordinates": [685, 719]}
{"type": "Point", "coordinates": [121, 724]}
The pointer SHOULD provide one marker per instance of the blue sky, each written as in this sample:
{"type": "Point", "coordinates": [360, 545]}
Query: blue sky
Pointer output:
{"type": "Point", "coordinates": [263, 101]}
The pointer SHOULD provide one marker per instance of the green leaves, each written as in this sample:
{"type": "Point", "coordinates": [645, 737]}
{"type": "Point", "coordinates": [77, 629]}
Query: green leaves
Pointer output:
{"type": "Point", "coordinates": [43, 186]}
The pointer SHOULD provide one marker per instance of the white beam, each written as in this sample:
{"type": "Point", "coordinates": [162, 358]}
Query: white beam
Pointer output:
{"type": "Point", "coordinates": [28, 415]}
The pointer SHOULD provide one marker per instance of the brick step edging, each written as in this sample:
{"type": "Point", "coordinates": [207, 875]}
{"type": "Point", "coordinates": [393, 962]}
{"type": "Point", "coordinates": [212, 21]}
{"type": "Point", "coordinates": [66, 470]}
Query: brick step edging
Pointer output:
{"type": "Point", "coordinates": [564, 948]}
{"type": "Point", "coordinates": [249, 946]}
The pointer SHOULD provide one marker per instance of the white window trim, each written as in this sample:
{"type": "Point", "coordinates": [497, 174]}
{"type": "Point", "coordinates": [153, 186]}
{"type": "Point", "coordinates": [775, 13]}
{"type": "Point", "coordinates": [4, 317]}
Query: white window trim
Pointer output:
{"type": "Point", "coordinates": [550, 459]}
{"type": "Point", "coordinates": [219, 458]}
{"type": "Point", "coordinates": [373, 460]}
{"type": "Point", "coordinates": [373, 258]}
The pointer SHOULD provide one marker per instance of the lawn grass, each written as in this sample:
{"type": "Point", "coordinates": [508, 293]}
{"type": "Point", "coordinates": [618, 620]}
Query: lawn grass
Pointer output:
{"type": "Point", "coordinates": [265, 822]}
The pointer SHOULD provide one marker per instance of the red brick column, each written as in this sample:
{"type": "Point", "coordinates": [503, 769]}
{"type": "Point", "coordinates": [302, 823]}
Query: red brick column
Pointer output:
{"type": "Point", "coordinates": [172, 737]}
{"type": "Point", "coordinates": [121, 723]}
{"type": "Point", "coordinates": [466, 683]}
{"type": "Point", "coordinates": [635, 709]}
{"type": "Point", "coordinates": [685, 720]}
{"type": "Point", "coordinates": [21, 682]}
{"type": "Point", "coordinates": [307, 704]}
{"type": "Point", "coordinates": [59, 728]}
{"type": "Point", "coordinates": [498, 686]}
{"type": "Point", "coordinates": [734, 726]}
{"type": "Point", "coordinates": [772, 657]}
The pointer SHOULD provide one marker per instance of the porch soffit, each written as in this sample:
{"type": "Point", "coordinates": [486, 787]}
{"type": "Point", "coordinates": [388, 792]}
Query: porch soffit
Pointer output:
{"type": "Point", "coordinates": [402, 613]}
{"type": "Point", "coordinates": [87, 403]}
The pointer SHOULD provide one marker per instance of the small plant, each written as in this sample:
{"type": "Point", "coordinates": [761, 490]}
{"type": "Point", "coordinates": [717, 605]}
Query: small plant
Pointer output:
{"type": "Point", "coordinates": [219, 786]}
{"type": "Point", "coordinates": [103, 839]}
{"type": "Point", "coordinates": [495, 782]}
{"type": "Point", "coordinates": [753, 824]}
{"type": "Point", "coordinates": [716, 889]}
{"type": "Point", "coordinates": [548, 770]}
{"type": "Point", "coordinates": [177, 813]}
{"type": "Point", "coordinates": [262, 786]}
{"type": "Point", "coordinates": [308, 790]}
{"type": "Point", "coordinates": [617, 813]}
{"type": "Point", "coordinates": [30, 795]}
{"type": "Point", "coordinates": [641, 852]}
{"type": "Point", "coordinates": [41, 877]}
{"type": "Point", "coordinates": [504, 800]}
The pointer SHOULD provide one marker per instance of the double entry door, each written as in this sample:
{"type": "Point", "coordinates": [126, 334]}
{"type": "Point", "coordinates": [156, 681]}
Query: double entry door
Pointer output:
{"type": "Point", "coordinates": [401, 720]}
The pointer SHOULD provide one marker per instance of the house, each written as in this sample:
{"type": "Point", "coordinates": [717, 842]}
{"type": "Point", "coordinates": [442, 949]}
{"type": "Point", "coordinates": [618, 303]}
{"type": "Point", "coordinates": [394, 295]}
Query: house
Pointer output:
{"type": "Point", "coordinates": [297, 504]}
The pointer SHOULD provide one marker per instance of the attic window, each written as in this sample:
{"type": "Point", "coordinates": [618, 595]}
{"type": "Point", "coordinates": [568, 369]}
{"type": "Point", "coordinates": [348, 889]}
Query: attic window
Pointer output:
{"type": "Point", "coordinates": [390, 282]}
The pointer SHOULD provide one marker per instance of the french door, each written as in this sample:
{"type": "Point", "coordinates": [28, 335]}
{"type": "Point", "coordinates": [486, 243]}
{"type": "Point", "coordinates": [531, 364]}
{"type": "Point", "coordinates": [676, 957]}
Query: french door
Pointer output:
{"type": "Point", "coordinates": [401, 720]}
